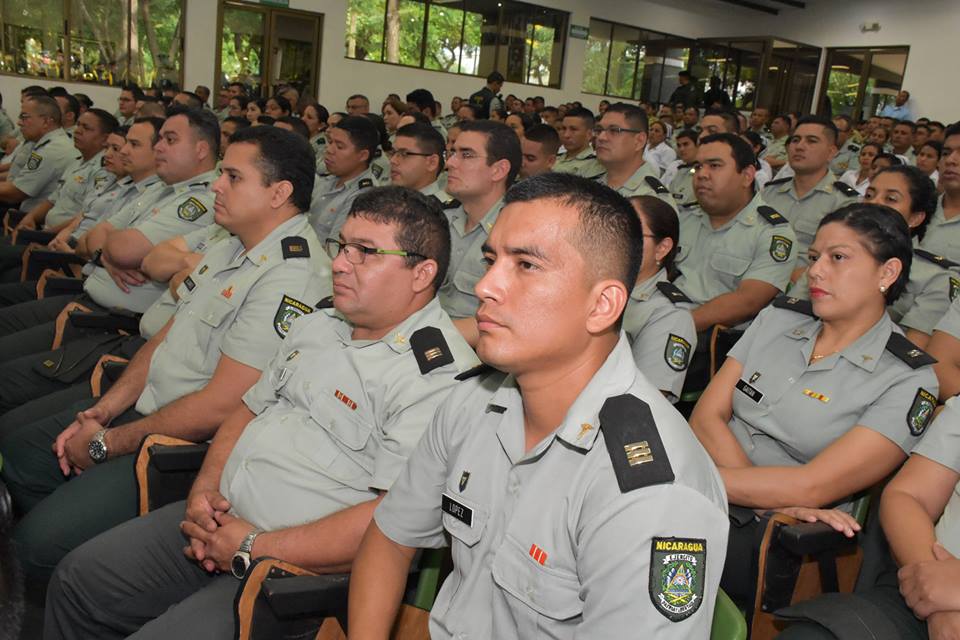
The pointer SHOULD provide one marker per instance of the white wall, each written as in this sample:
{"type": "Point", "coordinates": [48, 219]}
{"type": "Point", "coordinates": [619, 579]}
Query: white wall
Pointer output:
{"type": "Point", "coordinates": [927, 26]}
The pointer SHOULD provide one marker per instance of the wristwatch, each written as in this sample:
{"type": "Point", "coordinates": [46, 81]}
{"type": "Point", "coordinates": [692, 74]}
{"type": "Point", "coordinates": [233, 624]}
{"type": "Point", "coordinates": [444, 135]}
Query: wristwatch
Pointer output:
{"type": "Point", "coordinates": [241, 559]}
{"type": "Point", "coordinates": [97, 449]}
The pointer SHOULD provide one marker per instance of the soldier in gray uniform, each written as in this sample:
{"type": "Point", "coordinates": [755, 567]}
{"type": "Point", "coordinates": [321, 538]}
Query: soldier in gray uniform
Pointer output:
{"type": "Point", "coordinates": [679, 176]}
{"type": "Point", "coordinates": [578, 157]}
{"type": "Point", "coordinates": [416, 160]}
{"type": "Point", "coordinates": [351, 145]}
{"type": "Point", "coordinates": [318, 441]}
{"type": "Point", "coordinates": [848, 152]}
{"type": "Point", "coordinates": [586, 511]}
{"type": "Point", "coordinates": [943, 236]}
{"type": "Point", "coordinates": [43, 162]}
{"type": "Point", "coordinates": [620, 140]}
{"type": "Point", "coordinates": [233, 312]}
{"type": "Point", "coordinates": [911, 598]}
{"type": "Point", "coordinates": [484, 161]}
{"type": "Point", "coordinates": [813, 191]}
{"type": "Point", "coordinates": [871, 394]}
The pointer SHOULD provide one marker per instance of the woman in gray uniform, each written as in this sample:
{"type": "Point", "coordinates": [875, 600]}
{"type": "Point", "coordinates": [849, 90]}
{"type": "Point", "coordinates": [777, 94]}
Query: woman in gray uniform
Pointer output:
{"type": "Point", "coordinates": [934, 280]}
{"type": "Point", "coordinates": [819, 400]}
{"type": "Point", "coordinates": [662, 335]}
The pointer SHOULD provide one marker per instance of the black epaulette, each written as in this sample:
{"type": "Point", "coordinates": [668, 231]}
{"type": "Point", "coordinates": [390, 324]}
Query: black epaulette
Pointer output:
{"type": "Point", "coordinates": [430, 349]}
{"type": "Point", "coordinates": [689, 205]}
{"type": "Point", "coordinates": [853, 147]}
{"type": "Point", "coordinates": [656, 185]}
{"type": "Point", "coordinates": [295, 247]}
{"type": "Point", "coordinates": [771, 215]}
{"type": "Point", "coordinates": [435, 199]}
{"type": "Point", "coordinates": [200, 184]}
{"type": "Point", "coordinates": [481, 369]}
{"type": "Point", "coordinates": [910, 353]}
{"type": "Point", "coordinates": [773, 183]}
{"type": "Point", "coordinates": [453, 204]}
{"type": "Point", "coordinates": [633, 442]}
{"type": "Point", "coordinates": [845, 189]}
{"type": "Point", "coordinates": [795, 304]}
{"type": "Point", "coordinates": [596, 177]}
{"type": "Point", "coordinates": [935, 259]}
{"type": "Point", "coordinates": [672, 292]}
{"type": "Point", "coordinates": [590, 156]}
{"type": "Point", "coordinates": [326, 303]}
{"type": "Point", "coordinates": [365, 183]}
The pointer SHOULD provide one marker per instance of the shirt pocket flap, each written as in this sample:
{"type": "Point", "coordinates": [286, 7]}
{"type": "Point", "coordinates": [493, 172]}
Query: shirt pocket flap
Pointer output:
{"type": "Point", "coordinates": [551, 592]}
{"type": "Point", "coordinates": [215, 311]}
{"type": "Point", "coordinates": [466, 281]}
{"type": "Point", "coordinates": [339, 416]}
{"type": "Point", "coordinates": [462, 518]}
{"type": "Point", "coordinates": [731, 265]}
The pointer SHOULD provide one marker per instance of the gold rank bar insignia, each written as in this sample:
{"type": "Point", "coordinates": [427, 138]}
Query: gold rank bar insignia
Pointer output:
{"type": "Point", "coordinates": [638, 453]}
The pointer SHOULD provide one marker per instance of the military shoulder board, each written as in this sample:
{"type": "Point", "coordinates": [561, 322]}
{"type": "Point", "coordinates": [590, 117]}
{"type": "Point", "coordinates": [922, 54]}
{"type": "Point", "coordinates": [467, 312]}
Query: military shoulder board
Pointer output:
{"type": "Point", "coordinates": [590, 156]}
{"type": "Point", "coordinates": [199, 184]}
{"type": "Point", "coordinates": [771, 215]}
{"type": "Point", "coordinates": [430, 349]}
{"type": "Point", "coordinates": [773, 183]}
{"type": "Point", "coordinates": [910, 353]}
{"type": "Point", "coordinates": [365, 183]}
{"type": "Point", "coordinates": [672, 292]}
{"type": "Point", "coordinates": [845, 189]}
{"type": "Point", "coordinates": [453, 204]}
{"type": "Point", "coordinates": [689, 205]}
{"type": "Point", "coordinates": [326, 303]}
{"type": "Point", "coordinates": [854, 148]}
{"type": "Point", "coordinates": [479, 370]}
{"type": "Point", "coordinates": [794, 304]}
{"type": "Point", "coordinates": [656, 185]}
{"type": "Point", "coordinates": [934, 258]}
{"type": "Point", "coordinates": [295, 247]}
{"type": "Point", "coordinates": [636, 451]}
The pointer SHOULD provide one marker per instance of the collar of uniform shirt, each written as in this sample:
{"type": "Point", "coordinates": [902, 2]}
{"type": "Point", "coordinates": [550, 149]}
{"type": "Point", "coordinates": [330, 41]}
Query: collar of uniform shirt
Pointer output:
{"type": "Point", "coordinates": [865, 352]}
{"type": "Point", "coordinates": [207, 176]}
{"type": "Point", "coordinates": [269, 248]}
{"type": "Point", "coordinates": [642, 291]}
{"type": "Point", "coordinates": [398, 338]}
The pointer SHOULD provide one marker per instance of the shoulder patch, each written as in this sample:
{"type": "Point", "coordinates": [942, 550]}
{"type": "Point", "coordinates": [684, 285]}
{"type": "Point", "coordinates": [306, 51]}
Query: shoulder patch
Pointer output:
{"type": "Point", "coordinates": [430, 349]}
{"type": "Point", "coordinates": [778, 181]}
{"type": "Point", "coordinates": [33, 162]}
{"type": "Point", "coordinates": [633, 442]}
{"type": "Point", "coordinates": [376, 170]}
{"type": "Point", "coordinates": [954, 288]}
{"type": "Point", "coordinates": [921, 412]}
{"type": "Point", "coordinates": [289, 310]}
{"type": "Point", "coordinates": [910, 353]}
{"type": "Point", "coordinates": [365, 183]}
{"type": "Point", "coordinates": [678, 568]}
{"type": "Point", "coordinates": [935, 259]}
{"type": "Point", "coordinates": [326, 303]}
{"type": "Point", "coordinates": [853, 147]}
{"type": "Point", "coordinates": [656, 185]}
{"type": "Point", "coordinates": [479, 370]}
{"type": "Point", "coordinates": [846, 189]}
{"type": "Point", "coordinates": [672, 292]}
{"type": "Point", "coordinates": [677, 352]}
{"type": "Point", "coordinates": [780, 248]}
{"type": "Point", "coordinates": [794, 304]}
{"type": "Point", "coordinates": [771, 215]}
{"type": "Point", "coordinates": [191, 209]}
{"type": "Point", "coordinates": [295, 247]}
{"type": "Point", "coordinates": [453, 204]}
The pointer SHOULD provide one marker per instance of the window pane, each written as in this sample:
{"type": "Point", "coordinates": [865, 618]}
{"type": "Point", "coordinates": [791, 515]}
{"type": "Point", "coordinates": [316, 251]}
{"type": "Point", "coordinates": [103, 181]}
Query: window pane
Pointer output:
{"type": "Point", "coordinates": [472, 37]}
{"type": "Point", "coordinates": [404, 32]}
{"type": "Point", "coordinates": [241, 49]}
{"type": "Point", "coordinates": [665, 59]}
{"type": "Point", "coordinates": [32, 37]}
{"type": "Point", "coordinates": [365, 29]}
{"type": "Point", "coordinates": [486, 15]}
{"type": "Point", "coordinates": [98, 41]}
{"type": "Point", "coordinates": [156, 47]}
{"type": "Point", "coordinates": [443, 37]}
{"type": "Point", "coordinates": [623, 61]}
{"type": "Point", "coordinates": [597, 56]}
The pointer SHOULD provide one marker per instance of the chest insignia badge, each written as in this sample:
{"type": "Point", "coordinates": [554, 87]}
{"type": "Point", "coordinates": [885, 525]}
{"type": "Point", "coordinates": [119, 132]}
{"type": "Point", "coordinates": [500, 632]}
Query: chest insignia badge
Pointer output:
{"type": "Point", "coordinates": [538, 554]}
{"type": "Point", "coordinates": [345, 399]}
{"type": "Point", "coordinates": [464, 478]}
{"type": "Point", "coordinates": [816, 396]}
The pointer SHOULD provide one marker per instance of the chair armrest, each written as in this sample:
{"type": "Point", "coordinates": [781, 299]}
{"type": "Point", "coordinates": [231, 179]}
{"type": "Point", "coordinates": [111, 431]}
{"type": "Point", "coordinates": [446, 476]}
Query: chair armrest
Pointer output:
{"type": "Point", "coordinates": [165, 469]}
{"type": "Point", "coordinates": [186, 457]}
{"type": "Point", "coordinates": [26, 236]}
{"type": "Point", "coordinates": [106, 320]}
{"type": "Point", "coordinates": [319, 596]}
{"type": "Point", "coordinates": [62, 286]}
{"type": "Point", "coordinates": [813, 538]}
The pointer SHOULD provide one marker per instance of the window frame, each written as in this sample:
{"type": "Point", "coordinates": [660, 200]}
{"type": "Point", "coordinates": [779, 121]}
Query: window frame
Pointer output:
{"type": "Point", "coordinates": [64, 34]}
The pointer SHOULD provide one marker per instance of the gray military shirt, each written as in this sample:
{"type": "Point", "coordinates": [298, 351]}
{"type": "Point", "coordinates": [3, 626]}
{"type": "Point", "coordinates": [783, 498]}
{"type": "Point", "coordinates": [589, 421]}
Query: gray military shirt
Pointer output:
{"type": "Point", "coordinates": [239, 303]}
{"type": "Point", "coordinates": [787, 410]}
{"type": "Point", "coordinates": [681, 186]}
{"type": "Point", "coordinates": [943, 235]}
{"type": "Point", "coordinates": [749, 247]}
{"type": "Point", "coordinates": [160, 213]}
{"type": "Point", "coordinates": [544, 542]}
{"type": "Point", "coordinates": [941, 443]}
{"type": "Point", "coordinates": [108, 202]}
{"type": "Point", "coordinates": [583, 164]}
{"type": "Point", "coordinates": [805, 213]}
{"type": "Point", "coordinates": [43, 165]}
{"type": "Point", "coordinates": [847, 158]}
{"type": "Point", "coordinates": [81, 182]}
{"type": "Point", "coordinates": [662, 335]}
{"type": "Point", "coordinates": [950, 322]}
{"type": "Point", "coordinates": [645, 181]}
{"type": "Point", "coordinates": [331, 204]}
{"type": "Point", "coordinates": [7, 127]}
{"type": "Point", "coordinates": [336, 418]}
{"type": "Point", "coordinates": [457, 296]}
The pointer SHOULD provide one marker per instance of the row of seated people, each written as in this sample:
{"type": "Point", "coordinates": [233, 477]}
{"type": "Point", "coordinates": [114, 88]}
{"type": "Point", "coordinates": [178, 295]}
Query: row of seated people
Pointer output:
{"type": "Point", "coordinates": [733, 191]}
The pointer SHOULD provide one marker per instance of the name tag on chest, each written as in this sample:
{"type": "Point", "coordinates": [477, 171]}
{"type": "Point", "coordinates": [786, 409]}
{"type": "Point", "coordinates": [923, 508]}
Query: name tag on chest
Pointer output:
{"type": "Point", "coordinates": [461, 512]}
{"type": "Point", "coordinates": [750, 391]}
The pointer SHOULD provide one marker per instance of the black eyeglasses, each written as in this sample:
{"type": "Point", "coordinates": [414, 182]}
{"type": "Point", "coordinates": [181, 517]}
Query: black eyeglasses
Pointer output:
{"type": "Point", "coordinates": [614, 130]}
{"type": "Point", "coordinates": [357, 253]}
{"type": "Point", "coordinates": [403, 154]}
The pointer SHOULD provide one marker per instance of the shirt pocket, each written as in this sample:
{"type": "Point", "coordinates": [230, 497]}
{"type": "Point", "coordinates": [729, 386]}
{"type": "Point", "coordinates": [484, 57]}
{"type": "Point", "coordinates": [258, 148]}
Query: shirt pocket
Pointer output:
{"type": "Point", "coordinates": [549, 591]}
{"type": "Point", "coordinates": [213, 317]}
{"type": "Point", "coordinates": [729, 265]}
{"type": "Point", "coordinates": [465, 280]}
{"type": "Point", "coordinates": [469, 527]}
{"type": "Point", "coordinates": [342, 419]}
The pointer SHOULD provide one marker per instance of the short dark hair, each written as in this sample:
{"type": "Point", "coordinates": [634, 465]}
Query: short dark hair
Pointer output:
{"type": "Point", "coordinates": [754, 139]}
{"type": "Point", "coordinates": [423, 99]}
{"type": "Point", "coordinates": [156, 123]}
{"type": "Point", "coordinates": [495, 76]}
{"type": "Point", "coordinates": [47, 107]}
{"type": "Point", "coordinates": [889, 157]}
{"type": "Point", "coordinates": [282, 155]}
{"type": "Point", "coordinates": [472, 108]}
{"type": "Point", "coordinates": [609, 234]}
{"type": "Point", "coordinates": [243, 87]}
{"type": "Point", "coordinates": [829, 128]}
{"type": "Point", "coordinates": [57, 92]}
{"type": "Point", "coordinates": [923, 195]}
{"type": "Point", "coordinates": [907, 123]}
{"type": "Point", "coordinates": [266, 120]}
{"type": "Point", "coordinates": [546, 136]}
{"type": "Point", "coordinates": [584, 114]}
{"type": "Point", "coordinates": [501, 144]}
{"type": "Point", "coordinates": [297, 124]}
{"type": "Point", "coordinates": [635, 116]}
{"type": "Point", "coordinates": [33, 90]}
{"type": "Point", "coordinates": [282, 102]}
{"type": "Point", "coordinates": [241, 99]}
{"type": "Point", "coordinates": [134, 89]}
{"type": "Point", "coordinates": [422, 227]}
{"type": "Point", "coordinates": [730, 119]}
{"type": "Point", "coordinates": [193, 100]}
{"type": "Point", "coordinates": [690, 134]}
{"type": "Point", "coordinates": [936, 145]}
{"type": "Point", "coordinates": [663, 224]}
{"type": "Point", "coordinates": [73, 105]}
{"type": "Point", "coordinates": [322, 113]}
{"type": "Point", "coordinates": [382, 136]}
{"type": "Point", "coordinates": [240, 121]}
{"type": "Point", "coordinates": [428, 139]}
{"type": "Point", "coordinates": [844, 117]}
{"type": "Point", "coordinates": [203, 123]}
{"type": "Point", "coordinates": [107, 122]}
{"type": "Point", "coordinates": [743, 155]}
{"type": "Point", "coordinates": [358, 96]}
{"type": "Point", "coordinates": [885, 235]}
{"type": "Point", "coordinates": [84, 100]}
{"type": "Point", "coordinates": [362, 132]}
{"type": "Point", "coordinates": [952, 130]}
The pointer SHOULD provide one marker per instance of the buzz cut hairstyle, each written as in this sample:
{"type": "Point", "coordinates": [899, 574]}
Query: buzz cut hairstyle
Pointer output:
{"type": "Point", "coordinates": [829, 128]}
{"type": "Point", "coordinates": [635, 116]}
{"type": "Point", "coordinates": [609, 235]}
{"type": "Point", "coordinates": [106, 120]}
{"type": "Point", "coordinates": [545, 135]}
{"type": "Point", "coordinates": [363, 134]}
{"type": "Point", "coordinates": [282, 156]}
{"type": "Point", "coordinates": [427, 138]}
{"type": "Point", "coordinates": [501, 144]}
{"type": "Point", "coordinates": [46, 106]}
{"type": "Point", "coordinates": [730, 120]}
{"type": "Point", "coordinates": [584, 114]}
{"type": "Point", "coordinates": [690, 134]}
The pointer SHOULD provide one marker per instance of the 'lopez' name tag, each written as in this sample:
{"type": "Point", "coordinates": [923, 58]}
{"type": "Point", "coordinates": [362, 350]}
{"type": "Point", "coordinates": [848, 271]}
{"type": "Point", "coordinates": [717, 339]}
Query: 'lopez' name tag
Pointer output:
{"type": "Point", "coordinates": [459, 511]}
{"type": "Point", "coordinates": [750, 391]}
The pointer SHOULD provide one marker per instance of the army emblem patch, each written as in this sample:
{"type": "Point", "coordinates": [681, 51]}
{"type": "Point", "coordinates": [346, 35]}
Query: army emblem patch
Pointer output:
{"type": "Point", "coordinates": [677, 353]}
{"type": "Point", "coordinates": [288, 311]}
{"type": "Point", "coordinates": [954, 288]}
{"type": "Point", "coordinates": [780, 248]}
{"type": "Point", "coordinates": [464, 479]}
{"type": "Point", "coordinates": [191, 210]}
{"type": "Point", "coordinates": [33, 162]}
{"type": "Point", "coordinates": [921, 411]}
{"type": "Point", "coordinates": [678, 567]}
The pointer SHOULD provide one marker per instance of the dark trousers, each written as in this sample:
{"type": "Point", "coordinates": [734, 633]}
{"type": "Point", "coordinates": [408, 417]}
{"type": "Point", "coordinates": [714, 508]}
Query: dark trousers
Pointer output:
{"type": "Point", "coordinates": [29, 327]}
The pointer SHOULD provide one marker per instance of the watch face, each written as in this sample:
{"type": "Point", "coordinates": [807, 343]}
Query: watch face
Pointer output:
{"type": "Point", "coordinates": [238, 566]}
{"type": "Point", "coordinates": [97, 451]}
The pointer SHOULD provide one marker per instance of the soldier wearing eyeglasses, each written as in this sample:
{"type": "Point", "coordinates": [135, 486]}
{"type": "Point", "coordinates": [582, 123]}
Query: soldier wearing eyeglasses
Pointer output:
{"type": "Point", "coordinates": [416, 160]}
